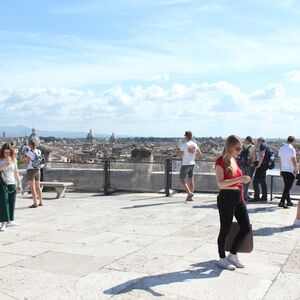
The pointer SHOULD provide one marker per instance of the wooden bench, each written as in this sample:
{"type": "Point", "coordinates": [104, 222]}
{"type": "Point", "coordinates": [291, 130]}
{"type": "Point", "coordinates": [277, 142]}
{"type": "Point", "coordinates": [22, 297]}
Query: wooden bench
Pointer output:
{"type": "Point", "coordinates": [60, 187]}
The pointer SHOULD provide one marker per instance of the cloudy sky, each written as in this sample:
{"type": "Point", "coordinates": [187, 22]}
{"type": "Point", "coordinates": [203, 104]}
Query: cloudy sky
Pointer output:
{"type": "Point", "coordinates": [151, 67]}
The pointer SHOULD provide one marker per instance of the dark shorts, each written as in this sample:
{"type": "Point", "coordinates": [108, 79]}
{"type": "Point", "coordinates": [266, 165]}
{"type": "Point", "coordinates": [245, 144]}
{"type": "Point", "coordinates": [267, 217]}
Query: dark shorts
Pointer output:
{"type": "Point", "coordinates": [33, 174]}
{"type": "Point", "coordinates": [186, 171]}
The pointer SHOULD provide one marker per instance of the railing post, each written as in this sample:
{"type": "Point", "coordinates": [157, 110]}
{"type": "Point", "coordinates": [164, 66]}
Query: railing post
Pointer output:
{"type": "Point", "coordinates": [106, 177]}
{"type": "Point", "coordinates": [42, 174]}
{"type": "Point", "coordinates": [168, 176]}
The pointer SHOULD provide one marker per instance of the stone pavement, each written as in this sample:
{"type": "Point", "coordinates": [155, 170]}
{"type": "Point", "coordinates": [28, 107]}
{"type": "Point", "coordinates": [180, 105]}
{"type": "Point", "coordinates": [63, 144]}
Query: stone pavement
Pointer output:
{"type": "Point", "coordinates": [143, 246]}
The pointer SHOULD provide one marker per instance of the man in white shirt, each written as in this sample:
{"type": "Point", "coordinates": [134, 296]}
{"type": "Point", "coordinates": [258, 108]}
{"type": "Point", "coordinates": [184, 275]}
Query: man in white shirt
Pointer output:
{"type": "Point", "coordinates": [189, 152]}
{"type": "Point", "coordinates": [288, 170]}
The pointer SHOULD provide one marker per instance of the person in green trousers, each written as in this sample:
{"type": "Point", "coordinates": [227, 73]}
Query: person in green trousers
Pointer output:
{"type": "Point", "coordinates": [8, 187]}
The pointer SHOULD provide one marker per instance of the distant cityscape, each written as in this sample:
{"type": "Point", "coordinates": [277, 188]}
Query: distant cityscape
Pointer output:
{"type": "Point", "coordinates": [91, 150]}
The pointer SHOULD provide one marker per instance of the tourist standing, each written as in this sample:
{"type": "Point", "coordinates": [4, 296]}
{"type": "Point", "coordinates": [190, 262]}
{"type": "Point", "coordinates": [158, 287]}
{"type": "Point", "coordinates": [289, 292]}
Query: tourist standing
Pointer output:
{"type": "Point", "coordinates": [260, 171]}
{"type": "Point", "coordinates": [33, 175]}
{"type": "Point", "coordinates": [247, 159]}
{"type": "Point", "coordinates": [288, 170]}
{"type": "Point", "coordinates": [189, 152]}
{"type": "Point", "coordinates": [8, 190]}
{"type": "Point", "coordinates": [230, 201]}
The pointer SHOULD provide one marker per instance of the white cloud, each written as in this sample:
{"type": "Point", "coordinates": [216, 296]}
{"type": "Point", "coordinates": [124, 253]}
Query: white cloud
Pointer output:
{"type": "Point", "coordinates": [269, 92]}
{"type": "Point", "coordinates": [160, 77]}
{"type": "Point", "coordinates": [293, 76]}
{"type": "Point", "coordinates": [154, 110]}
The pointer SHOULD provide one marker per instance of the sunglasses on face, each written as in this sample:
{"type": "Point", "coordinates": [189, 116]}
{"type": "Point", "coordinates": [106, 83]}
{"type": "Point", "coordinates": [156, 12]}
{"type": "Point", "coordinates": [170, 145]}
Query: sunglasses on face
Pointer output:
{"type": "Point", "coordinates": [238, 148]}
{"type": "Point", "coordinates": [7, 152]}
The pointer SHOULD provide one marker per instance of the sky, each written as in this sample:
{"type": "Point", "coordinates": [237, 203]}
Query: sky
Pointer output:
{"type": "Point", "coordinates": [151, 67]}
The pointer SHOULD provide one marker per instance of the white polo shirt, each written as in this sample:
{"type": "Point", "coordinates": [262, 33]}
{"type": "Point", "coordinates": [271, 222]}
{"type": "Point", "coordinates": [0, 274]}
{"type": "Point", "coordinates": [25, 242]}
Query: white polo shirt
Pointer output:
{"type": "Point", "coordinates": [286, 152]}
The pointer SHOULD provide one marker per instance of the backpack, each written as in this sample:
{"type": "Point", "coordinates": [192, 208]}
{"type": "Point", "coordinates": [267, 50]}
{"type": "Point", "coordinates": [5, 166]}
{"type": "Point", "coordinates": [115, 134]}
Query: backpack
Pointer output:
{"type": "Point", "coordinates": [244, 158]}
{"type": "Point", "coordinates": [39, 160]}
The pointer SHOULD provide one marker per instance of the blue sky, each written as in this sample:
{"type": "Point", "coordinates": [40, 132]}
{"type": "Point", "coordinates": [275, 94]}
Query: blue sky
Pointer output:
{"type": "Point", "coordinates": [151, 68]}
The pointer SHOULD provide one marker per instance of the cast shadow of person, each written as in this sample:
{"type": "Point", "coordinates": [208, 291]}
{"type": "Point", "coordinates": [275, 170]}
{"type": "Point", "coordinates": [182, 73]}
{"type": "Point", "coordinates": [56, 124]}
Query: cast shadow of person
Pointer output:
{"type": "Point", "coordinates": [267, 231]}
{"type": "Point", "coordinates": [203, 270]}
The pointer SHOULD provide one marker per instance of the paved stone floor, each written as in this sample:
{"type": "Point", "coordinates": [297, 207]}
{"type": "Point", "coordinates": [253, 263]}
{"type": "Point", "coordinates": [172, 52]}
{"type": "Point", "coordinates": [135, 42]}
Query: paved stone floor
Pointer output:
{"type": "Point", "coordinates": [143, 246]}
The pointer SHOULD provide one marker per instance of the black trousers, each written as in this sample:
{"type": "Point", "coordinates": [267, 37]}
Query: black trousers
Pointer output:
{"type": "Point", "coordinates": [260, 180]}
{"type": "Point", "coordinates": [231, 204]}
{"type": "Point", "coordinates": [288, 179]}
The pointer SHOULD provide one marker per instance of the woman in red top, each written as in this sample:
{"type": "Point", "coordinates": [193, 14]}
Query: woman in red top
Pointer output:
{"type": "Point", "coordinates": [230, 180]}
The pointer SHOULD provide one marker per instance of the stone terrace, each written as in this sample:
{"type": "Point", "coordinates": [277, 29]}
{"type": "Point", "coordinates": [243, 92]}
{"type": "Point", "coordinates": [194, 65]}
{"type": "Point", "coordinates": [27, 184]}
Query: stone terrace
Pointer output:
{"type": "Point", "coordinates": [143, 246]}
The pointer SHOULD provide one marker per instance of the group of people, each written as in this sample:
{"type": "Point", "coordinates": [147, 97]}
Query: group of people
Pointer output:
{"type": "Point", "coordinates": [235, 168]}
{"type": "Point", "coordinates": [10, 182]}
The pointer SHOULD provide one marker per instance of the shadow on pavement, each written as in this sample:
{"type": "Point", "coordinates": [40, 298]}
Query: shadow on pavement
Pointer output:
{"type": "Point", "coordinates": [263, 209]}
{"type": "Point", "coordinates": [266, 231]}
{"type": "Point", "coordinates": [148, 205]}
{"type": "Point", "coordinates": [203, 270]}
{"type": "Point", "coordinates": [214, 206]}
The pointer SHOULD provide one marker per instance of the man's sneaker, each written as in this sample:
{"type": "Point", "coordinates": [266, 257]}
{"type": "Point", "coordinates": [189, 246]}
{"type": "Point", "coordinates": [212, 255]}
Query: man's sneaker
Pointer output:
{"type": "Point", "coordinates": [235, 261]}
{"type": "Point", "coordinates": [297, 223]}
{"type": "Point", "coordinates": [290, 203]}
{"type": "Point", "coordinates": [3, 226]}
{"type": "Point", "coordinates": [12, 223]}
{"type": "Point", "coordinates": [226, 264]}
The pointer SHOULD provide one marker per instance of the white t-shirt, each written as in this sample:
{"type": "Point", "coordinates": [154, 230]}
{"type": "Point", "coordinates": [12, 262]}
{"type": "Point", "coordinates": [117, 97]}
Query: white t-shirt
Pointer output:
{"type": "Point", "coordinates": [31, 154]}
{"type": "Point", "coordinates": [8, 175]}
{"type": "Point", "coordinates": [286, 152]}
{"type": "Point", "coordinates": [189, 149]}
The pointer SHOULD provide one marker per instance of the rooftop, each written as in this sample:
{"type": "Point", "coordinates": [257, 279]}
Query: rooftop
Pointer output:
{"type": "Point", "coordinates": [143, 246]}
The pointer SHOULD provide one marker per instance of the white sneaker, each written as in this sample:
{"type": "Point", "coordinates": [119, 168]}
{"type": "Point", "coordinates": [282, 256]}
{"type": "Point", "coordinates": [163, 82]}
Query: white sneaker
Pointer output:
{"type": "Point", "coordinates": [225, 264]}
{"type": "Point", "coordinates": [297, 223]}
{"type": "Point", "coordinates": [3, 226]}
{"type": "Point", "coordinates": [12, 223]}
{"type": "Point", "coordinates": [235, 261]}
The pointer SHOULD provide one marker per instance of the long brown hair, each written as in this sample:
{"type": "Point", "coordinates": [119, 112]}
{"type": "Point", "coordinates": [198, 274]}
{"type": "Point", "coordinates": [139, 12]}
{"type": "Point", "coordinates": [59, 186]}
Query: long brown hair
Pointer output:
{"type": "Point", "coordinates": [230, 142]}
{"type": "Point", "coordinates": [32, 144]}
{"type": "Point", "coordinates": [8, 146]}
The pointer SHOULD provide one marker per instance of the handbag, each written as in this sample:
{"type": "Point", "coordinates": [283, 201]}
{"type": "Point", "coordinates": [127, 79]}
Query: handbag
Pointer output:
{"type": "Point", "coordinates": [247, 244]}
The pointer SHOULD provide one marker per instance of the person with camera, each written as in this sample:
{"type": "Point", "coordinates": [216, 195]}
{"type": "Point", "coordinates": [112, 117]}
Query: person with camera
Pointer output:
{"type": "Point", "coordinates": [33, 174]}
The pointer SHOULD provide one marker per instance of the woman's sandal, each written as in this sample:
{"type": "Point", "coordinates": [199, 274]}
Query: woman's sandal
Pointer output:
{"type": "Point", "coordinates": [32, 206]}
{"type": "Point", "coordinates": [41, 204]}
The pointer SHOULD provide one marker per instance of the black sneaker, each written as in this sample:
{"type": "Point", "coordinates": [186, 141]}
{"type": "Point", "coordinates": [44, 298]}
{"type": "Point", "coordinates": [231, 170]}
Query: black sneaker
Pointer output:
{"type": "Point", "coordinates": [282, 204]}
{"type": "Point", "coordinates": [290, 203]}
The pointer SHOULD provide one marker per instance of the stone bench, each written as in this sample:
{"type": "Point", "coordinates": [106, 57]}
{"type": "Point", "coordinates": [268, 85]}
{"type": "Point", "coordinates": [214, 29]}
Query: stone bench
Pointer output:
{"type": "Point", "coordinates": [60, 187]}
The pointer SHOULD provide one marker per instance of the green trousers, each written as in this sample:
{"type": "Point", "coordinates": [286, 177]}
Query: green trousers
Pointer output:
{"type": "Point", "coordinates": [8, 195]}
